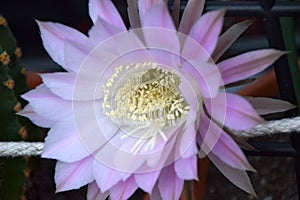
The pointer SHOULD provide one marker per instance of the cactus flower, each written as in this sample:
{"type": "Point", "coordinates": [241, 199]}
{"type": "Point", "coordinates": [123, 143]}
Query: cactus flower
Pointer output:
{"type": "Point", "coordinates": [135, 106]}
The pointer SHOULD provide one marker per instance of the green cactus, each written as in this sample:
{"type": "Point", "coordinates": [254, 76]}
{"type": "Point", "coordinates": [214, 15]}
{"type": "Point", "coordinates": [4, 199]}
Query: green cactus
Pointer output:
{"type": "Point", "coordinates": [12, 126]}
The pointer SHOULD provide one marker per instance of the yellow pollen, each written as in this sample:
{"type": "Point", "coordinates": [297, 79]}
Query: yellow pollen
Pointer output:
{"type": "Point", "coordinates": [2, 21]}
{"type": "Point", "coordinates": [4, 58]}
{"type": "Point", "coordinates": [146, 98]}
{"type": "Point", "coordinates": [23, 132]}
{"type": "Point", "coordinates": [23, 71]}
{"type": "Point", "coordinates": [9, 84]}
{"type": "Point", "coordinates": [18, 53]}
{"type": "Point", "coordinates": [18, 107]}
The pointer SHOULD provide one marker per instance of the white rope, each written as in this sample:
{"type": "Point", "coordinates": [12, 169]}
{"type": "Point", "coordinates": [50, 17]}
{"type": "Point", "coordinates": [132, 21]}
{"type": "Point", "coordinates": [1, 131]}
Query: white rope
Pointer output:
{"type": "Point", "coordinates": [15, 149]}
{"type": "Point", "coordinates": [290, 125]}
{"type": "Point", "coordinates": [287, 125]}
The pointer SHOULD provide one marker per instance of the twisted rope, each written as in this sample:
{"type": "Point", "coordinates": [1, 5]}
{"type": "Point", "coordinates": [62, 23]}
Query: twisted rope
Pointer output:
{"type": "Point", "coordinates": [287, 125]}
{"type": "Point", "coordinates": [15, 149]}
{"type": "Point", "coordinates": [290, 125]}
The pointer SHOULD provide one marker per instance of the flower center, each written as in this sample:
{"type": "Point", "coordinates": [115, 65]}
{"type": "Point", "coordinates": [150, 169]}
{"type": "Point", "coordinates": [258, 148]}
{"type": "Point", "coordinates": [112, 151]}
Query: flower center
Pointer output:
{"type": "Point", "coordinates": [144, 100]}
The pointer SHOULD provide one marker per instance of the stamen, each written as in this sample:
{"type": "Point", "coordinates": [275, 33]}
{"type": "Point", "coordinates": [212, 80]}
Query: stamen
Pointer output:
{"type": "Point", "coordinates": [163, 135]}
{"type": "Point", "coordinates": [4, 58]}
{"type": "Point", "coordinates": [144, 98]}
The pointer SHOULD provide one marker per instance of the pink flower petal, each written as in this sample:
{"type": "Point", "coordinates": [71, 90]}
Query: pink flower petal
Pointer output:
{"type": "Point", "coordinates": [161, 12]}
{"type": "Point", "coordinates": [116, 155]}
{"type": "Point", "coordinates": [163, 156]}
{"type": "Point", "coordinates": [93, 127]}
{"type": "Point", "coordinates": [130, 48]}
{"type": "Point", "coordinates": [60, 83]}
{"type": "Point", "coordinates": [207, 76]}
{"type": "Point", "coordinates": [133, 14]}
{"type": "Point", "coordinates": [127, 161]}
{"type": "Point", "coordinates": [190, 89]}
{"type": "Point", "coordinates": [191, 150]}
{"type": "Point", "coordinates": [192, 50]}
{"type": "Point", "coordinates": [207, 29]}
{"type": "Point", "coordinates": [69, 87]}
{"type": "Point", "coordinates": [144, 6]}
{"type": "Point", "coordinates": [102, 30]}
{"type": "Point", "coordinates": [213, 139]}
{"type": "Point", "coordinates": [264, 105]}
{"type": "Point", "coordinates": [48, 105]}
{"type": "Point", "coordinates": [191, 14]}
{"type": "Point", "coordinates": [186, 168]}
{"type": "Point", "coordinates": [130, 51]}
{"type": "Point", "coordinates": [73, 175]}
{"type": "Point", "coordinates": [233, 111]}
{"type": "Point", "coordinates": [230, 36]}
{"type": "Point", "coordinates": [123, 190]}
{"type": "Point", "coordinates": [63, 142]}
{"type": "Point", "coordinates": [186, 141]}
{"type": "Point", "coordinates": [147, 181]}
{"type": "Point", "coordinates": [208, 134]}
{"type": "Point", "coordinates": [236, 176]}
{"type": "Point", "coordinates": [155, 193]}
{"type": "Point", "coordinates": [105, 177]}
{"type": "Point", "coordinates": [53, 36]}
{"type": "Point", "coordinates": [160, 34]}
{"type": "Point", "coordinates": [170, 186]}
{"type": "Point", "coordinates": [247, 64]}
{"type": "Point", "coordinates": [75, 54]}
{"type": "Point", "coordinates": [165, 57]}
{"type": "Point", "coordinates": [94, 193]}
{"type": "Point", "coordinates": [230, 153]}
{"type": "Point", "coordinates": [107, 11]}
{"type": "Point", "coordinates": [107, 126]}
{"type": "Point", "coordinates": [35, 118]}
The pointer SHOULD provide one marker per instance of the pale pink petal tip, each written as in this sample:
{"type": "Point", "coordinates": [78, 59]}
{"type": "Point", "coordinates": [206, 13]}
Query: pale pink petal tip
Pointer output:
{"type": "Point", "coordinates": [158, 11]}
{"type": "Point", "coordinates": [230, 153]}
{"type": "Point", "coordinates": [143, 6]}
{"type": "Point", "coordinates": [73, 175]}
{"type": "Point", "coordinates": [170, 186]}
{"type": "Point", "coordinates": [35, 118]}
{"type": "Point", "coordinates": [147, 181]}
{"type": "Point", "coordinates": [247, 64]}
{"type": "Point", "coordinates": [207, 29]}
{"type": "Point", "coordinates": [186, 169]}
{"type": "Point", "coordinates": [124, 189]}
{"type": "Point", "coordinates": [94, 193]}
{"type": "Point", "coordinates": [54, 35]}
{"type": "Point", "coordinates": [263, 105]}
{"type": "Point", "coordinates": [107, 11]}
{"type": "Point", "coordinates": [229, 37]}
{"type": "Point", "coordinates": [233, 111]}
{"type": "Point", "coordinates": [62, 143]}
{"type": "Point", "coordinates": [105, 177]}
{"type": "Point", "coordinates": [238, 177]}
{"type": "Point", "coordinates": [190, 15]}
